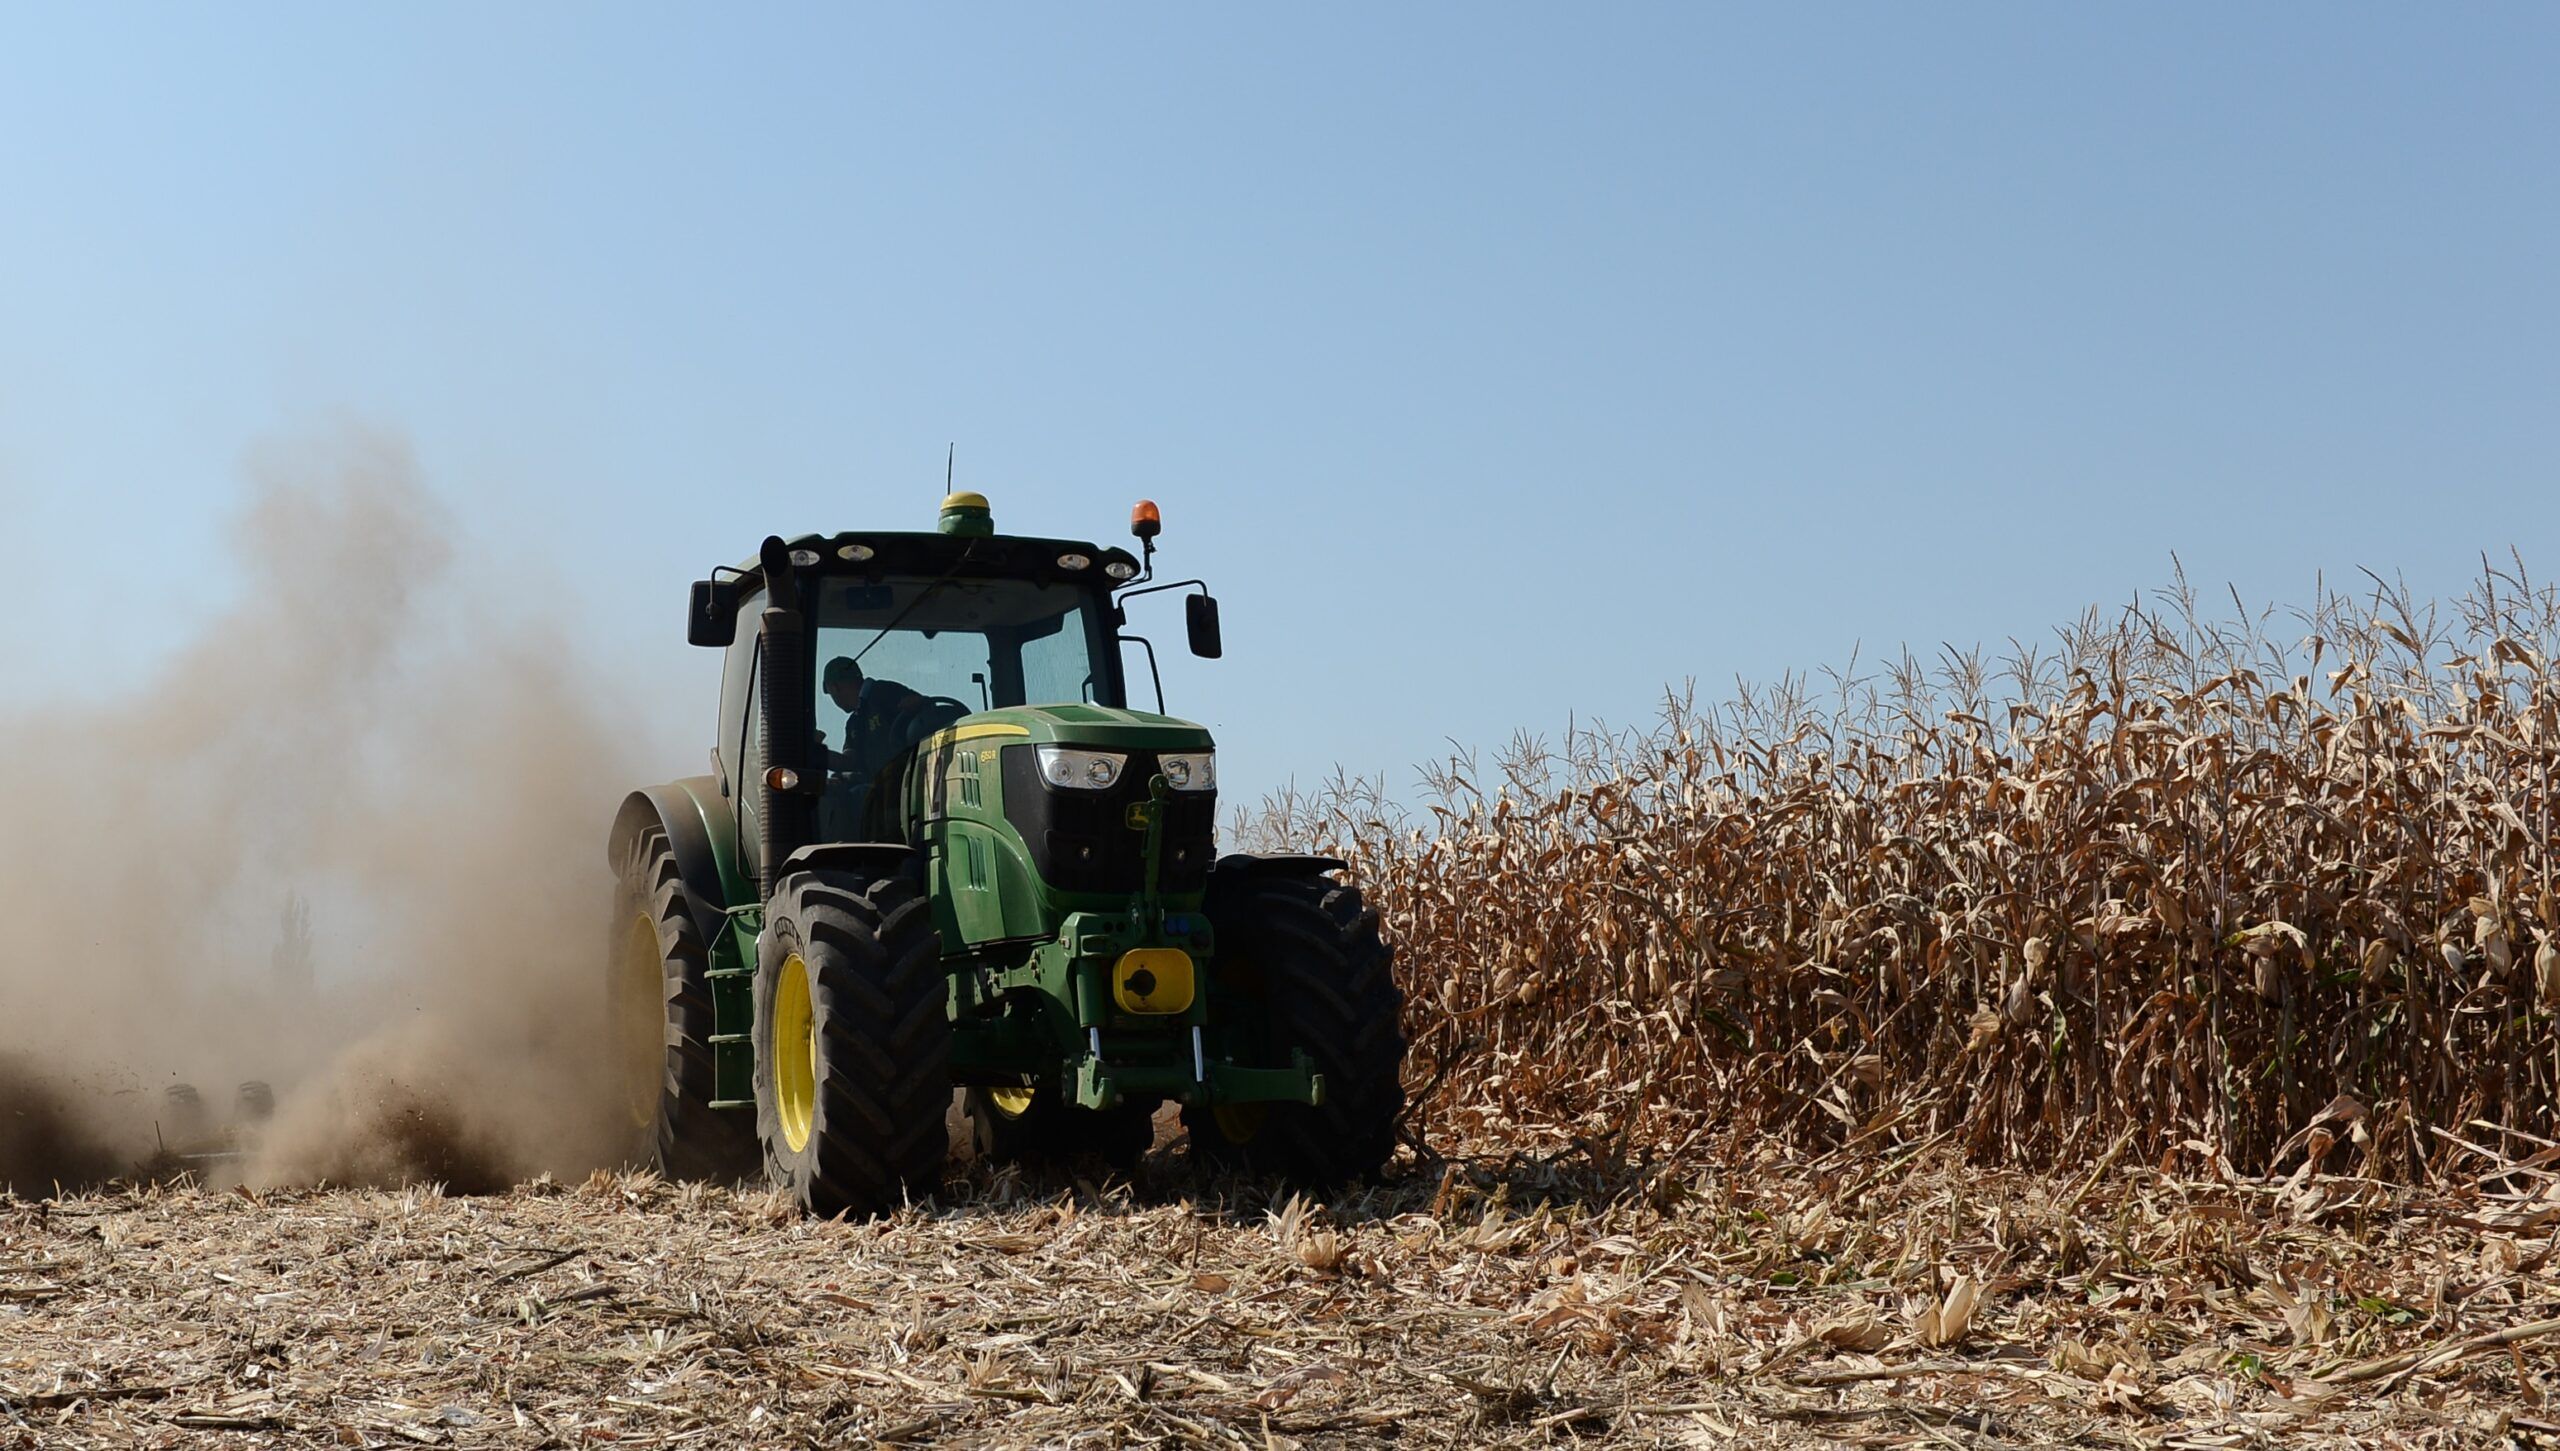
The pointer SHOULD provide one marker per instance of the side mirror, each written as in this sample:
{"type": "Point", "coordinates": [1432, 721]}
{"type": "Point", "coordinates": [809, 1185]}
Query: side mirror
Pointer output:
{"type": "Point", "coordinates": [711, 617]}
{"type": "Point", "coordinates": [1201, 614]}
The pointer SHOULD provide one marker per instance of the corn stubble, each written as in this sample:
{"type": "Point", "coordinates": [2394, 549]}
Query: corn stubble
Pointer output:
{"type": "Point", "coordinates": [2227, 893]}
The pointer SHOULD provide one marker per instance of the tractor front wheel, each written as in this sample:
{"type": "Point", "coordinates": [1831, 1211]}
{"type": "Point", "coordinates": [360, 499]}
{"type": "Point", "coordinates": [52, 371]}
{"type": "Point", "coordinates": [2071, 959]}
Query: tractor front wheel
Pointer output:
{"type": "Point", "coordinates": [853, 1041]}
{"type": "Point", "coordinates": [1300, 965]}
{"type": "Point", "coordinates": [659, 997]}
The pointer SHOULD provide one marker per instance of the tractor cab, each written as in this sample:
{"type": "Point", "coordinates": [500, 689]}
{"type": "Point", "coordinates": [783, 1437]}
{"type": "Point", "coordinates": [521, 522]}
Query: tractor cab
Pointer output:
{"type": "Point", "coordinates": [901, 659]}
{"type": "Point", "coordinates": [865, 646]}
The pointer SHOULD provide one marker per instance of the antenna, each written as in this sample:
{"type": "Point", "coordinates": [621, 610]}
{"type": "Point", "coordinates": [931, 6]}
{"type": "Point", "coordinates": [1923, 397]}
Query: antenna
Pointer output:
{"type": "Point", "coordinates": [948, 461]}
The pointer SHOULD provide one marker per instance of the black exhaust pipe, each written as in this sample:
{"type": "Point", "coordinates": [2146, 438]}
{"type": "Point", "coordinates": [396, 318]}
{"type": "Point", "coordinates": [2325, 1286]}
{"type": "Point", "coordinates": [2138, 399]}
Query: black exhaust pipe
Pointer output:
{"type": "Point", "coordinates": [788, 812]}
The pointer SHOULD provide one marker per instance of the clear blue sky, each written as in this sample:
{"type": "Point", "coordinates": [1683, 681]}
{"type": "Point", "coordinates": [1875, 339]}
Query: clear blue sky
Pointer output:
{"type": "Point", "coordinates": [1493, 363]}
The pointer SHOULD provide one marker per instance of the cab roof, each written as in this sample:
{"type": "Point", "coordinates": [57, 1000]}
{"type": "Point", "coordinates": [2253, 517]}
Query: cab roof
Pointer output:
{"type": "Point", "coordinates": [984, 556]}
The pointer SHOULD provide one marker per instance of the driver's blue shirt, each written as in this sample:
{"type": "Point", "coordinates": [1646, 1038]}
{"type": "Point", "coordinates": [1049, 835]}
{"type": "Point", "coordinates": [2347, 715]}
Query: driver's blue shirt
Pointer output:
{"type": "Point", "coordinates": [872, 732]}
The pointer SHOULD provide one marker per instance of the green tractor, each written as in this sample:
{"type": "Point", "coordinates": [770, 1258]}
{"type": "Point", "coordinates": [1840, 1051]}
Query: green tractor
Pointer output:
{"type": "Point", "coordinates": [939, 851]}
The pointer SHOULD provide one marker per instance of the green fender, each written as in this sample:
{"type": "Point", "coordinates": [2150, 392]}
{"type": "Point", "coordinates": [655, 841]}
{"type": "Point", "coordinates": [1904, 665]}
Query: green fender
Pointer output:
{"type": "Point", "coordinates": [704, 836]}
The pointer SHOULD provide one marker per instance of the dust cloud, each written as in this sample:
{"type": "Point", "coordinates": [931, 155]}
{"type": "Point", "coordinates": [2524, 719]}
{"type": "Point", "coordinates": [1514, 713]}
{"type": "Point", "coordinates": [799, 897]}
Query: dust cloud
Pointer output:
{"type": "Point", "coordinates": [323, 898]}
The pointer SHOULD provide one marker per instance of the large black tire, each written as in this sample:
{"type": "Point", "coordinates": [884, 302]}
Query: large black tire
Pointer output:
{"type": "Point", "coordinates": [660, 977]}
{"type": "Point", "coordinates": [853, 1079]}
{"type": "Point", "coordinates": [1304, 956]}
{"type": "Point", "coordinates": [1051, 1131]}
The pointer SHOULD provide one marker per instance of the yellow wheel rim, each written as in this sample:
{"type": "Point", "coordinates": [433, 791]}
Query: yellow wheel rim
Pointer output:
{"type": "Point", "coordinates": [1011, 1102]}
{"type": "Point", "coordinates": [644, 1021]}
{"type": "Point", "coordinates": [1239, 1121]}
{"type": "Point", "coordinates": [795, 1054]}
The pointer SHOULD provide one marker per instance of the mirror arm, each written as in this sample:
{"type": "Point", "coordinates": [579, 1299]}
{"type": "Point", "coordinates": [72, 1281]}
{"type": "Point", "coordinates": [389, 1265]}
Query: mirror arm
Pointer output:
{"type": "Point", "coordinates": [1201, 585]}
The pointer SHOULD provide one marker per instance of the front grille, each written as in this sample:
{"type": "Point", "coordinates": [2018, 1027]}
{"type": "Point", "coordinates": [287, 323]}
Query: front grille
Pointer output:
{"type": "Point", "coordinates": [1081, 841]}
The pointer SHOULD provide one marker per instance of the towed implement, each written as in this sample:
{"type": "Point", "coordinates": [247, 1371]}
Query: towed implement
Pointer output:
{"type": "Point", "coordinates": [939, 850]}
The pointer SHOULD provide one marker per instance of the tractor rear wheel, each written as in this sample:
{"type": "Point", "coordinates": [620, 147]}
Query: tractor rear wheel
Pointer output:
{"type": "Point", "coordinates": [659, 998]}
{"type": "Point", "coordinates": [1301, 966]}
{"type": "Point", "coordinates": [1036, 1125]}
{"type": "Point", "coordinates": [853, 1042]}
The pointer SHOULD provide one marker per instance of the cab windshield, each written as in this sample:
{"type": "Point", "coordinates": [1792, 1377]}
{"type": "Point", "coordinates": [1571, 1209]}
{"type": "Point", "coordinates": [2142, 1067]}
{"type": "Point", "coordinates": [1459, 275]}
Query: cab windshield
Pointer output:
{"type": "Point", "coordinates": [914, 654]}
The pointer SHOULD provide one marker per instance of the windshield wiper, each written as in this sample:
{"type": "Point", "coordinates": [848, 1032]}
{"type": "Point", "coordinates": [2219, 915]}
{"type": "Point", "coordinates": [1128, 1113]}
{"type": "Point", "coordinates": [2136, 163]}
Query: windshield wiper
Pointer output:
{"type": "Point", "coordinates": [921, 596]}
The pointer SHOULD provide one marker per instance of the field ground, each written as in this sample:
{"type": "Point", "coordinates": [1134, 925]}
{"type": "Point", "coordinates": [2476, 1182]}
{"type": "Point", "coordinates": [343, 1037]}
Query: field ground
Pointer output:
{"type": "Point", "coordinates": [1473, 1302]}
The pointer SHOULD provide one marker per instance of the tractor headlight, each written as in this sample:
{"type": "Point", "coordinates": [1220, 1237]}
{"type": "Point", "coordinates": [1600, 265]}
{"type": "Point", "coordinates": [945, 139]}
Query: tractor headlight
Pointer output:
{"type": "Point", "coordinates": [1190, 771]}
{"type": "Point", "coordinates": [1079, 770]}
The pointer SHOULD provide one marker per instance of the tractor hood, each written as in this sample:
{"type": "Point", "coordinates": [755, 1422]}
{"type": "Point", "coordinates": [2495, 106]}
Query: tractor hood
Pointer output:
{"type": "Point", "coordinates": [1075, 725]}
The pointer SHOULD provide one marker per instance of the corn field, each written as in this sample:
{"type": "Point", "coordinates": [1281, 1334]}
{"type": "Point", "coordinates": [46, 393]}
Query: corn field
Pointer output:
{"type": "Point", "coordinates": [2233, 890]}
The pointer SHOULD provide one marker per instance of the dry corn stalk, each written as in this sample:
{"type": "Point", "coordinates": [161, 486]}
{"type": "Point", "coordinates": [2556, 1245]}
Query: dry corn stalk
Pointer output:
{"type": "Point", "coordinates": [2172, 876]}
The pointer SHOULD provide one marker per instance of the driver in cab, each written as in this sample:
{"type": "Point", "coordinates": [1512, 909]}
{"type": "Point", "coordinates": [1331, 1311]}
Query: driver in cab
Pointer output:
{"type": "Point", "coordinates": [880, 717]}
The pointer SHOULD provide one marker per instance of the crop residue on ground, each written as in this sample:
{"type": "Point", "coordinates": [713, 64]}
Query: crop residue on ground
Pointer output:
{"type": "Point", "coordinates": [1480, 1302]}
